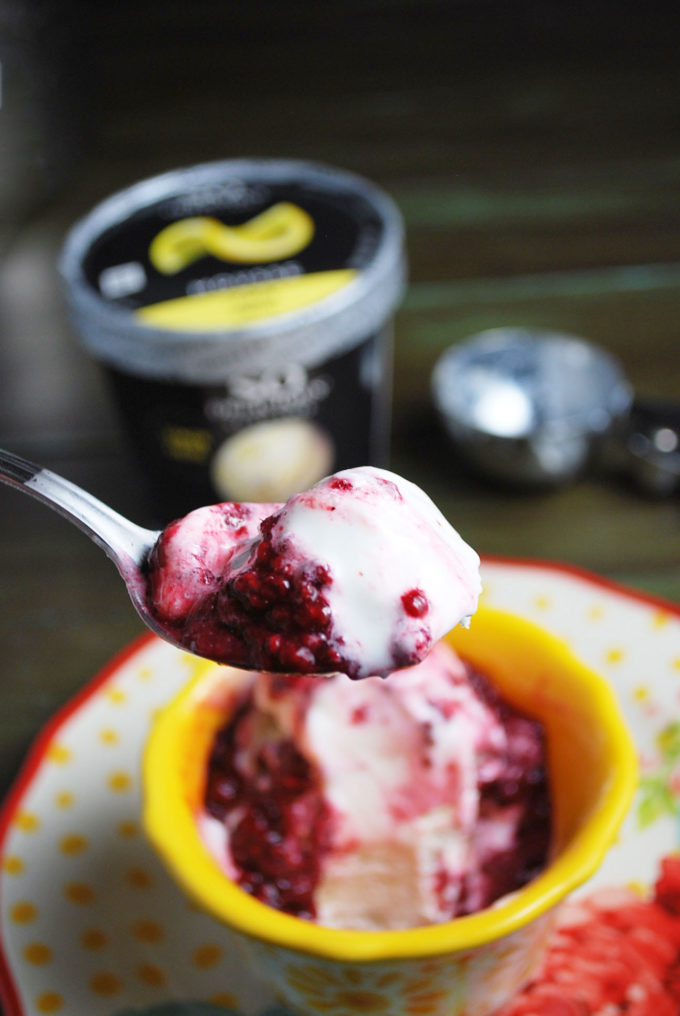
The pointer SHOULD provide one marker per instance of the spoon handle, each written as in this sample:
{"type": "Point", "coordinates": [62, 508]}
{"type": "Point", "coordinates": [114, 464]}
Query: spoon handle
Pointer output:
{"type": "Point", "coordinates": [123, 541]}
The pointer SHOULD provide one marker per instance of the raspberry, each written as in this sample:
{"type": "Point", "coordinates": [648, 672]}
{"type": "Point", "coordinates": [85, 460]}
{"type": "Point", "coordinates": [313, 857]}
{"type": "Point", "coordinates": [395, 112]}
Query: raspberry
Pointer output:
{"type": "Point", "coordinates": [280, 836]}
{"type": "Point", "coordinates": [341, 483]}
{"type": "Point", "coordinates": [415, 603]}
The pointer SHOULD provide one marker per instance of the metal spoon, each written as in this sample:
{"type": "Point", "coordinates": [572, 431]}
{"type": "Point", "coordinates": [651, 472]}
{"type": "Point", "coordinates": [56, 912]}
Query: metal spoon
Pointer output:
{"type": "Point", "coordinates": [127, 544]}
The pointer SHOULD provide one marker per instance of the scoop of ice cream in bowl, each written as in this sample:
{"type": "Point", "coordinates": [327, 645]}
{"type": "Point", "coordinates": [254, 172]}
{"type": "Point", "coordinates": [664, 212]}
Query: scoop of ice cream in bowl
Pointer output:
{"type": "Point", "coordinates": [396, 844]}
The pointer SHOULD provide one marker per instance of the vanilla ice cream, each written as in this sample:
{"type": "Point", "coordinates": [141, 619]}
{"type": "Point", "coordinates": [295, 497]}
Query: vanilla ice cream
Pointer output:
{"type": "Point", "coordinates": [378, 804]}
{"type": "Point", "coordinates": [361, 574]}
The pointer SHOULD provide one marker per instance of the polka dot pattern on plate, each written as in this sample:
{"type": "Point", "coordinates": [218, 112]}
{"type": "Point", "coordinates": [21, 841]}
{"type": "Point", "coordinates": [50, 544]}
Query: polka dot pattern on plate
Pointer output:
{"type": "Point", "coordinates": [91, 922]}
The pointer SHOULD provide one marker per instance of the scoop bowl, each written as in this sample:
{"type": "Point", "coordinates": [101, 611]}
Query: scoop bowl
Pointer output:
{"type": "Point", "coordinates": [472, 964]}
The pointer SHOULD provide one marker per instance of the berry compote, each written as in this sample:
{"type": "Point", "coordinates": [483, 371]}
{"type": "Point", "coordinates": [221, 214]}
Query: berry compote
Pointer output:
{"type": "Point", "coordinates": [279, 821]}
{"type": "Point", "coordinates": [361, 575]}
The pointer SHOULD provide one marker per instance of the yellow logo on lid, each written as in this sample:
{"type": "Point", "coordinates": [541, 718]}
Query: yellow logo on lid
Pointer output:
{"type": "Point", "coordinates": [278, 232]}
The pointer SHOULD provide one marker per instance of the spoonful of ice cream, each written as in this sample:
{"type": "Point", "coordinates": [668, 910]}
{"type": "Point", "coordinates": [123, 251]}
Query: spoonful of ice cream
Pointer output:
{"type": "Point", "coordinates": [362, 574]}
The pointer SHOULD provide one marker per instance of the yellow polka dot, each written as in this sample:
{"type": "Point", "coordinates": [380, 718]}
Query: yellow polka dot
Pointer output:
{"type": "Point", "coordinates": [127, 829]}
{"type": "Point", "coordinates": [105, 983]}
{"type": "Point", "coordinates": [37, 953]}
{"type": "Point", "coordinates": [64, 799]}
{"type": "Point", "coordinates": [108, 736]}
{"type": "Point", "coordinates": [119, 781]}
{"type": "Point", "coordinates": [13, 865]}
{"type": "Point", "coordinates": [614, 655]}
{"type": "Point", "coordinates": [660, 619]}
{"type": "Point", "coordinates": [595, 613]}
{"type": "Point", "coordinates": [94, 939]}
{"type": "Point", "coordinates": [147, 931]}
{"type": "Point", "coordinates": [26, 821]}
{"type": "Point", "coordinates": [194, 664]}
{"type": "Point", "coordinates": [641, 693]}
{"type": "Point", "coordinates": [675, 664]}
{"type": "Point", "coordinates": [542, 602]}
{"type": "Point", "coordinates": [73, 844]}
{"type": "Point", "coordinates": [145, 674]}
{"type": "Point", "coordinates": [639, 888]}
{"type": "Point", "coordinates": [151, 974]}
{"type": "Point", "coordinates": [79, 892]}
{"type": "Point", "coordinates": [116, 696]}
{"type": "Point", "coordinates": [225, 999]}
{"type": "Point", "coordinates": [49, 1001]}
{"type": "Point", "coordinates": [23, 912]}
{"type": "Point", "coordinates": [206, 956]}
{"type": "Point", "coordinates": [59, 753]}
{"type": "Point", "coordinates": [139, 879]}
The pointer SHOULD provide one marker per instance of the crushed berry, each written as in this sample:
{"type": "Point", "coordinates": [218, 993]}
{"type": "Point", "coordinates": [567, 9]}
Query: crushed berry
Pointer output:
{"type": "Point", "coordinates": [523, 781]}
{"type": "Point", "coordinates": [415, 603]}
{"type": "Point", "coordinates": [408, 655]}
{"type": "Point", "coordinates": [278, 818]}
{"type": "Point", "coordinates": [341, 483]}
{"type": "Point", "coordinates": [268, 616]}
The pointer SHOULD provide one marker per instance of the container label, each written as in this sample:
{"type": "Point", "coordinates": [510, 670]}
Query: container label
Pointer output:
{"type": "Point", "coordinates": [244, 304]}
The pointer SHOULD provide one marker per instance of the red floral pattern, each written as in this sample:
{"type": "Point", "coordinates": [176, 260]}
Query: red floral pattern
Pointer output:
{"type": "Point", "coordinates": [613, 953]}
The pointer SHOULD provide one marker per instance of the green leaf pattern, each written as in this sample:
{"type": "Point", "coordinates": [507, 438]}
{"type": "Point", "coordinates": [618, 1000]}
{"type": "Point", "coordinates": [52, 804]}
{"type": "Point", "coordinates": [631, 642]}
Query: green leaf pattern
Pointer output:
{"type": "Point", "coordinates": [660, 791]}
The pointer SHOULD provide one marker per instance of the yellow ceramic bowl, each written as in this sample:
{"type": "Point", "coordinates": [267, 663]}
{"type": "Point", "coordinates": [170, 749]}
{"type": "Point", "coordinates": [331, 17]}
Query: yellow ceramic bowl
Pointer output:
{"type": "Point", "coordinates": [472, 964]}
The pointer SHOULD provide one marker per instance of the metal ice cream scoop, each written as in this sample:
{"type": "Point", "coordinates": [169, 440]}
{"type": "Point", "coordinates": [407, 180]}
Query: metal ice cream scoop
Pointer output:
{"type": "Point", "coordinates": [530, 407]}
{"type": "Point", "coordinates": [646, 446]}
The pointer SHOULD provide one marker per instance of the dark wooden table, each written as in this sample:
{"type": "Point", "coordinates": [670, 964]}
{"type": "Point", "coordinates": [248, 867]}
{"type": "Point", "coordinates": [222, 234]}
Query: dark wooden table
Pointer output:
{"type": "Point", "coordinates": [537, 164]}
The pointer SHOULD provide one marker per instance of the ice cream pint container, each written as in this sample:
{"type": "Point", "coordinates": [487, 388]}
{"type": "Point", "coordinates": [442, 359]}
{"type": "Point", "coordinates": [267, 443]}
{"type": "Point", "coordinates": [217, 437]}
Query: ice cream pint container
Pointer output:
{"type": "Point", "coordinates": [242, 311]}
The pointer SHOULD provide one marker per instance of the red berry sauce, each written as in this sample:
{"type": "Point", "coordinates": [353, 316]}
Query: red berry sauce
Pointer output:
{"type": "Point", "coordinates": [270, 614]}
{"type": "Point", "coordinates": [523, 782]}
{"type": "Point", "coordinates": [278, 819]}
{"type": "Point", "coordinates": [415, 603]}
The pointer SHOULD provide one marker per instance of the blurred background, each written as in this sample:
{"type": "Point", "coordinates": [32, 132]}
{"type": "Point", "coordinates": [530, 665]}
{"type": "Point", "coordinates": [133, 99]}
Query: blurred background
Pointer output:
{"type": "Point", "coordinates": [533, 149]}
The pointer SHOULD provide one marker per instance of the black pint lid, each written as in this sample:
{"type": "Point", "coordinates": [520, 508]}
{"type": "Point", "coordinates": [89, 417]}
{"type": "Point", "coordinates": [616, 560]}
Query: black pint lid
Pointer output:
{"type": "Point", "coordinates": [234, 264]}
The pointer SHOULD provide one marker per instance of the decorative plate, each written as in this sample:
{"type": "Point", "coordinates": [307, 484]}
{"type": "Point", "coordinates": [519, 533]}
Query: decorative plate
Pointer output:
{"type": "Point", "coordinates": [91, 924]}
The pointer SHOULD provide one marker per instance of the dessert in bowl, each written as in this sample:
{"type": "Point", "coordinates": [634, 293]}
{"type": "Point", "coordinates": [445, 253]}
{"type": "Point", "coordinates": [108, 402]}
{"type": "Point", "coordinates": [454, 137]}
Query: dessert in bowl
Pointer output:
{"type": "Point", "coordinates": [467, 964]}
